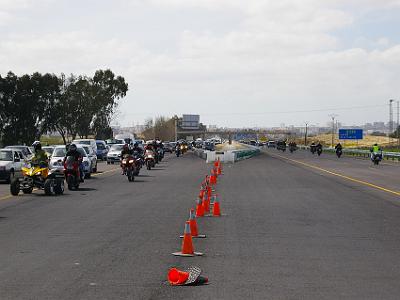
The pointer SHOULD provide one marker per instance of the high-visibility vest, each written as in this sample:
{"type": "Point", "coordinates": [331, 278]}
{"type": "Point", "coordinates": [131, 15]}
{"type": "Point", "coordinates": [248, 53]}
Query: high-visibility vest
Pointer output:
{"type": "Point", "coordinates": [375, 149]}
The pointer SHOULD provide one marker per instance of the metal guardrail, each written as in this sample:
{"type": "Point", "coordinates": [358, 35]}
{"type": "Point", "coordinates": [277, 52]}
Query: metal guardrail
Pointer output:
{"type": "Point", "coordinates": [395, 156]}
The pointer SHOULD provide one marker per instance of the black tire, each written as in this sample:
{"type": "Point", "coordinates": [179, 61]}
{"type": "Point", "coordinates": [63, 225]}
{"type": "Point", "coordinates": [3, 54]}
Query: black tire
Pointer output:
{"type": "Point", "coordinates": [59, 187]}
{"type": "Point", "coordinates": [148, 166]}
{"type": "Point", "coordinates": [88, 175]}
{"type": "Point", "coordinates": [14, 187]}
{"type": "Point", "coordinates": [11, 176]}
{"type": "Point", "coordinates": [27, 190]}
{"type": "Point", "coordinates": [130, 175]}
{"type": "Point", "coordinates": [95, 169]}
{"type": "Point", "coordinates": [49, 187]}
{"type": "Point", "coordinates": [108, 163]}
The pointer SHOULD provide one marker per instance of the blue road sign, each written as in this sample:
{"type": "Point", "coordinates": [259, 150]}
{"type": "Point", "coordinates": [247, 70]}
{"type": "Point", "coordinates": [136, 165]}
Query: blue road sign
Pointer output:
{"type": "Point", "coordinates": [350, 134]}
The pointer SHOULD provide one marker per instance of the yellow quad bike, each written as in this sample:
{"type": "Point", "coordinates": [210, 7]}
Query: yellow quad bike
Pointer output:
{"type": "Point", "coordinates": [38, 176]}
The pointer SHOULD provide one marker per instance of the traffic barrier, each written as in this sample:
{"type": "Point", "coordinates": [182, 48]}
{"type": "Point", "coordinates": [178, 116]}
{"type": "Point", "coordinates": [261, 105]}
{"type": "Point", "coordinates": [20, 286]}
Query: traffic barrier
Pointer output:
{"type": "Point", "coordinates": [191, 276]}
{"type": "Point", "coordinates": [187, 244]}
{"type": "Point", "coordinates": [193, 226]}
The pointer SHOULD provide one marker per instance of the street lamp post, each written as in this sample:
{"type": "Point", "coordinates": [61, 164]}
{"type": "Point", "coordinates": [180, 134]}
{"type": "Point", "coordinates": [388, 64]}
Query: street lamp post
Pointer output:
{"type": "Point", "coordinates": [305, 134]}
{"type": "Point", "coordinates": [333, 116]}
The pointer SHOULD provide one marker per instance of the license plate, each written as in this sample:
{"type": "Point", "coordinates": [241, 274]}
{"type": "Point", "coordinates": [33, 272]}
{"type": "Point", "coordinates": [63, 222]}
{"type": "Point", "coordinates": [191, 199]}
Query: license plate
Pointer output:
{"type": "Point", "coordinates": [2, 168]}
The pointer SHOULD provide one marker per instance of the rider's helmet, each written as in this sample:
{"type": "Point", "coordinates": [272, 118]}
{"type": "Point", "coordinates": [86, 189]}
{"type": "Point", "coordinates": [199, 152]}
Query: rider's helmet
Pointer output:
{"type": "Point", "coordinates": [136, 144]}
{"type": "Point", "coordinates": [72, 147]}
{"type": "Point", "coordinates": [375, 144]}
{"type": "Point", "coordinates": [37, 146]}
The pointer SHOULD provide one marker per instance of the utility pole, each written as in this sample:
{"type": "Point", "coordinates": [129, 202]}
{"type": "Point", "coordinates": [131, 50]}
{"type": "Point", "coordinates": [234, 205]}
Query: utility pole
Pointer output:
{"type": "Point", "coordinates": [305, 135]}
{"type": "Point", "coordinates": [390, 119]}
{"type": "Point", "coordinates": [333, 116]}
{"type": "Point", "coordinates": [398, 126]}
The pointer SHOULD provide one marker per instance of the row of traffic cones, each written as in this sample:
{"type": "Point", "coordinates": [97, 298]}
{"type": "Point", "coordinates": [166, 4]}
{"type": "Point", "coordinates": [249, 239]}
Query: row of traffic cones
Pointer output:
{"type": "Point", "coordinates": [203, 208]}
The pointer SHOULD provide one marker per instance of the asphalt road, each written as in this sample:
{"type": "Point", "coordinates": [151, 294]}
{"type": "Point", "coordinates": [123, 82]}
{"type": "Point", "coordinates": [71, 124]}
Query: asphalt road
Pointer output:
{"type": "Point", "coordinates": [291, 232]}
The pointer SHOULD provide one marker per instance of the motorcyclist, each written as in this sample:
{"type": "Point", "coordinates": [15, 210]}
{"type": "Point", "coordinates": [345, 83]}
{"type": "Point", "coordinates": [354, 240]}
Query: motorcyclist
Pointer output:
{"type": "Point", "coordinates": [312, 147]}
{"type": "Point", "coordinates": [137, 149]}
{"type": "Point", "coordinates": [338, 147]}
{"type": "Point", "coordinates": [318, 147]}
{"type": "Point", "coordinates": [375, 151]}
{"type": "Point", "coordinates": [40, 155]}
{"type": "Point", "coordinates": [126, 151]}
{"type": "Point", "coordinates": [73, 151]}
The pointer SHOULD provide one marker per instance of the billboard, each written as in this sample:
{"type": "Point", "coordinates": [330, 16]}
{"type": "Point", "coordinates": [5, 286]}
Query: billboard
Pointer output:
{"type": "Point", "coordinates": [350, 134]}
{"type": "Point", "coordinates": [190, 121]}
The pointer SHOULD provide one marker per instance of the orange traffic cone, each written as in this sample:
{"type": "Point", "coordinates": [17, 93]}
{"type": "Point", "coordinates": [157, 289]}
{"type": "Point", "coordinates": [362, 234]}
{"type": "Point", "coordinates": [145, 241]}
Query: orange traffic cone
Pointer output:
{"type": "Point", "coordinates": [216, 208]}
{"type": "Point", "coordinates": [206, 203]}
{"type": "Point", "coordinates": [193, 226]}
{"type": "Point", "coordinates": [199, 208]}
{"type": "Point", "coordinates": [187, 243]}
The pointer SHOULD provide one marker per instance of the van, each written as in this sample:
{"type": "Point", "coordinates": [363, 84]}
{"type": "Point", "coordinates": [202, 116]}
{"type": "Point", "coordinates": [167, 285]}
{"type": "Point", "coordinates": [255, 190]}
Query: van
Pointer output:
{"type": "Point", "coordinates": [90, 142]}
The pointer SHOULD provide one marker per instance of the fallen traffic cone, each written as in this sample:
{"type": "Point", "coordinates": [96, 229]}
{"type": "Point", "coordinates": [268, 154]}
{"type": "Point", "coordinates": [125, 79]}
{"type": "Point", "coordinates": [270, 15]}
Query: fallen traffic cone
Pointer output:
{"type": "Point", "coordinates": [191, 276]}
{"type": "Point", "coordinates": [187, 243]}
{"type": "Point", "coordinates": [199, 208]}
{"type": "Point", "coordinates": [193, 226]}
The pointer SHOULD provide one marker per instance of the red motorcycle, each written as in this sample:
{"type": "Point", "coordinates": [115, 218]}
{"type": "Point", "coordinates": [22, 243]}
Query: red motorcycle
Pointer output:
{"type": "Point", "coordinates": [128, 165]}
{"type": "Point", "coordinates": [72, 173]}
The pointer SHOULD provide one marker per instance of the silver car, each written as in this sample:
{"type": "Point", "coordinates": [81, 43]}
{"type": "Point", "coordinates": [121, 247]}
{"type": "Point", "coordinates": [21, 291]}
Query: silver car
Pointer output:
{"type": "Point", "coordinates": [58, 156]}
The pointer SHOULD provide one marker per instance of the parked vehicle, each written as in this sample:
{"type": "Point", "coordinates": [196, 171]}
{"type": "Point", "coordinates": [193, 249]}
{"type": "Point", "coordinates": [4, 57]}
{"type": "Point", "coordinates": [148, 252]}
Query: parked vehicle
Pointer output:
{"type": "Point", "coordinates": [114, 155]}
{"type": "Point", "coordinates": [38, 176]}
{"type": "Point", "coordinates": [102, 150]}
{"type": "Point", "coordinates": [92, 157]}
{"type": "Point", "coordinates": [11, 161]}
{"type": "Point", "coordinates": [90, 142]}
{"type": "Point", "coordinates": [26, 151]}
{"type": "Point", "coordinates": [209, 146]}
{"type": "Point", "coordinates": [168, 147]}
{"type": "Point", "coordinates": [115, 141]}
{"type": "Point", "coordinates": [271, 144]}
{"type": "Point", "coordinates": [72, 173]}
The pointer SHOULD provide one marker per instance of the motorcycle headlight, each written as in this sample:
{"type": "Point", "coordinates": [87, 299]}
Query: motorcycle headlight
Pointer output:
{"type": "Point", "coordinates": [131, 161]}
{"type": "Point", "coordinates": [124, 161]}
{"type": "Point", "coordinates": [150, 156]}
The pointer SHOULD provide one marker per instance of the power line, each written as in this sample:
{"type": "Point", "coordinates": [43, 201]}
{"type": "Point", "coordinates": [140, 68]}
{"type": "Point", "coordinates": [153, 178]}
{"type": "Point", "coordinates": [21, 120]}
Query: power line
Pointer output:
{"type": "Point", "coordinates": [278, 112]}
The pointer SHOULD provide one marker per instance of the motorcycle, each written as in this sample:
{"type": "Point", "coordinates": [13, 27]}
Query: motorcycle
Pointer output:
{"type": "Point", "coordinates": [376, 157]}
{"type": "Point", "coordinates": [339, 153]}
{"type": "Point", "coordinates": [129, 167]}
{"type": "Point", "coordinates": [72, 172]}
{"type": "Point", "coordinates": [178, 151]}
{"type": "Point", "coordinates": [149, 159]}
{"type": "Point", "coordinates": [319, 151]}
{"type": "Point", "coordinates": [38, 176]}
{"type": "Point", "coordinates": [313, 149]}
{"type": "Point", "coordinates": [138, 161]}
{"type": "Point", "coordinates": [160, 153]}
{"type": "Point", "coordinates": [292, 148]}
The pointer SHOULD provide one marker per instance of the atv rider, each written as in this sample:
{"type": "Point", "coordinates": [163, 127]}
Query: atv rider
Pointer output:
{"type": "Point", "coordinates": [40, 156]}
{"type": "Point", "coordinates": [73, 151]}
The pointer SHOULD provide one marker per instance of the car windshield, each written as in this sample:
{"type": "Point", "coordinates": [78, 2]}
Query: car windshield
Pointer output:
{"type": "Point", "coordinates": [25, 150]}
{"type": "Point", "coordinates": [100, 146]}
{"type": "Point", "coordinates": [83, 142]}
{"type": "Point", "coordinates": [86, 149]}
{"type": "Point", "coordinates": [116, 147]}
{"type": "Point", "coordinates": [6, 155]}
{"type": "Point", "coordinates": [59, 152]}
{"type": "Point", "coordinates": [48, 149]}
{"type": "Point", "coordinates": [82, 152]}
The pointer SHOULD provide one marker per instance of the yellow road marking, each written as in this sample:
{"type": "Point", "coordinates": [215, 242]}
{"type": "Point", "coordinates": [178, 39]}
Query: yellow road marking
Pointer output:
{"type": "Point", "coordinates": [339, 175]}
{"type": "Point", "coordinates": [97, 174]}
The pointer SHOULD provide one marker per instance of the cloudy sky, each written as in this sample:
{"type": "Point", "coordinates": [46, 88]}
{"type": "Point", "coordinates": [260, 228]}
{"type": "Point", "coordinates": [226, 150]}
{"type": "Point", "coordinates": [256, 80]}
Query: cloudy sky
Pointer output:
{"type": "Point", "coordinates": [235, 62]}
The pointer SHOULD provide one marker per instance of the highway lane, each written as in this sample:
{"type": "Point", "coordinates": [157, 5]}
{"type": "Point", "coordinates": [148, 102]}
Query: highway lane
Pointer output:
{"type": "Point", "coordinates": [385, 175]}
{"type": "Point", "coordinates": [290, 233]}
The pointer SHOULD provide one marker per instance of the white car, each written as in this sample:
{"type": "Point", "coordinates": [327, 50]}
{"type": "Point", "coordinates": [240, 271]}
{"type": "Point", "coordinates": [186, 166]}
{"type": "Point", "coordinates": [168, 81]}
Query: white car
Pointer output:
{"type": "Point", "coordinates": [114, 154]}
{"type": "Point", "coordinates": [90, 142]}
{"type": "Point", "coordinates": [58, 156]}
{"type": "Point", "coordinates": [92, 156]}
{"type": "Point", "coordinates": [11, 161]}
